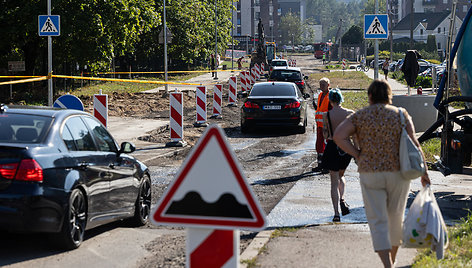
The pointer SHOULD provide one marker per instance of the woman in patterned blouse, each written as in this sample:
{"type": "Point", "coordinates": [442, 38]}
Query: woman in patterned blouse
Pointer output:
{"type": "Point", "coordinates": [384, 190]}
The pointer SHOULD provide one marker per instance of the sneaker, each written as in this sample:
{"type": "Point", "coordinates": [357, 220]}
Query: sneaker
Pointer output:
{"type": "Point", "coordinates": [344, 207]}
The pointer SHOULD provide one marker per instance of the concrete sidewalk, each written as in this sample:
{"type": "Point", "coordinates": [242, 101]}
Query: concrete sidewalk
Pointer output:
{"type": "Point", "coordinates": [317, 242]}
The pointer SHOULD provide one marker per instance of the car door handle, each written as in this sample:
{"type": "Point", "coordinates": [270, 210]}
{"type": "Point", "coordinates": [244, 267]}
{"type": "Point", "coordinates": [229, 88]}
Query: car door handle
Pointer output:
{"type": "Point", "coordinates": [83, 165]}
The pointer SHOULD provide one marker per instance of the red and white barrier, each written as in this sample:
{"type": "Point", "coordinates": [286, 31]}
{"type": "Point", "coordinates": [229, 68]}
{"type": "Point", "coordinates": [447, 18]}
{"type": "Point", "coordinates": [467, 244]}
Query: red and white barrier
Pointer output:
{"type": "Point", "coordinates": [100, 108]}
{"type": "Point", "coordinates": [294, 63]}
{"type": "Point", "coordinates": [217, 96]}
{"type": "Point", "coordinates": [233, 85]}
{"type": "Point", "coordinates": [201, 105]}
{"type": "Point", "coordinates": [257, 71]}
{"type": "Point", "coordinates": [176, 116]}
{"type": "Point", "coordinates": [252, 76]}
{"type": "Point", "coordinates": [242, 78]}
{"type": "Point", "coordinates": [212, 248]}
{"type": "Point", "coordinates": [263, 67]}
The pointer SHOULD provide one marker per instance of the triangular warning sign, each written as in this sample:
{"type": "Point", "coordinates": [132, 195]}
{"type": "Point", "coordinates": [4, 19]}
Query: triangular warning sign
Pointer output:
{"type": "Point", "coordinates": [49, 27]}
{"type": "Point", "coordinates": [210, 190]}
{"type": "Point", "coordinates": [376, 27]}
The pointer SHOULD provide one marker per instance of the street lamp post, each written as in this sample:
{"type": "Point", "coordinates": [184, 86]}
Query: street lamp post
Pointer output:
{"type": "Point", "coordinates": [165, 47]}
{"type": "Point", "coordinates": [216, 43]}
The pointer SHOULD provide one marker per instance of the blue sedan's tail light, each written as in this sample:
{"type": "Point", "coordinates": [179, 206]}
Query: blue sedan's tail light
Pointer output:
{"type": "Point", "coordinates": [26, 170]}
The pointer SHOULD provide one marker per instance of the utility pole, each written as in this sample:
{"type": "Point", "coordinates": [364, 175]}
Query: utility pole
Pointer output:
{"type": "Point", "coordinates": [216, 42]}
{"type": "Point", "coordinates": [411, 23]}
{"type": "Point", "coordinates": [376, 47]}
{"type": "Point", "coordinates": [390, 26]}
{"type": "Point", "coordinates": [165, 48]}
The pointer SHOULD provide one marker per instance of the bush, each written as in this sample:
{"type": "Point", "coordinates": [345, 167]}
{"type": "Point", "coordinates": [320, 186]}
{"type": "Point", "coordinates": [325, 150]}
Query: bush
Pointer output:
{"type": "Point", "coordinates": [424, 81]}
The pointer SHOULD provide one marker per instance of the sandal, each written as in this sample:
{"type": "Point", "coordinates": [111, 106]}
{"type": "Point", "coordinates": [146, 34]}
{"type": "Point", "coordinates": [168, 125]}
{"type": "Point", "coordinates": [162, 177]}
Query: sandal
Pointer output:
{"type": "Point", "coordinates": [336, 218]}
{"type": "Point", "coordinates": [344, 207]}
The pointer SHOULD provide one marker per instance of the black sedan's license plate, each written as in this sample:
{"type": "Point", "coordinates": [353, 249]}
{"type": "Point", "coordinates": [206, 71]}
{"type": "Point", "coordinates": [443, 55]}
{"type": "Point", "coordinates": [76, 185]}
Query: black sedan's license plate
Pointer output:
{"type": "Point", "coordinates": [272, 107]}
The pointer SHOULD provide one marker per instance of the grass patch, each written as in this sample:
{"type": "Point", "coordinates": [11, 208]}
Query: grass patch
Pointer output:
{"type": "Point", "coordinates": [459, 252]}
{"type": "Point", "coordinates": [431, 148]}
{"type": "Point", "coordinates": [355, 100]}
{"type": "Point", "coordinates": [279, 232]}
{"type": "Point", "coordinates": [345, 80]}
{"type": "Point", "coordinates": [250, 263]}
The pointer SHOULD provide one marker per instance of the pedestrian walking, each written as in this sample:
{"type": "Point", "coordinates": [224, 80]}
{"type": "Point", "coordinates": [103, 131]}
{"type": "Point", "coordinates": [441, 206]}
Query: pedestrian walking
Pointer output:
{"type": "Point", "coordinates": [212, 65]}
{"type": "Point", "coordinates": [385, 66]}
{"type": "Point", "coordinates": [384, 190]}
{"type": "Point", "coordinates": [334, 159]}
{"type": "Point", "coordinates": [240, 64]}
{"type": "Point", "coordinates": [324, 58]}
{"type": "Point", "coordinates": [322, 106]}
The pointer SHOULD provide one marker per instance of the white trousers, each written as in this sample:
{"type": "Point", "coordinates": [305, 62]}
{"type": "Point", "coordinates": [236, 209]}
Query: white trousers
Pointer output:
{"type": "Point", "coordinates": [385, 195]}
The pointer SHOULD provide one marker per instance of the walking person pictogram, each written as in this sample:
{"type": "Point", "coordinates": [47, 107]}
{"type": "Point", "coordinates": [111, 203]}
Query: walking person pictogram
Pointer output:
{"type": "Point", "coordinates": [376, 29]}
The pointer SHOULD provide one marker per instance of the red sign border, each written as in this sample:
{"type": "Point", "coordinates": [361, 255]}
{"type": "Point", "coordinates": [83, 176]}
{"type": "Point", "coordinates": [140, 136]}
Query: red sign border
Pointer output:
{"type": "Point", "coordinates": [157, 217]}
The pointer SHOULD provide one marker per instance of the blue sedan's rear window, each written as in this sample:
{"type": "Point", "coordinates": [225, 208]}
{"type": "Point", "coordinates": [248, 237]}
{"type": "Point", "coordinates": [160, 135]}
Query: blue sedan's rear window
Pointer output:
{"type": "Point", "coordinates": [21, 128]}
{"type": "Point", "coordinates": [273, 90]}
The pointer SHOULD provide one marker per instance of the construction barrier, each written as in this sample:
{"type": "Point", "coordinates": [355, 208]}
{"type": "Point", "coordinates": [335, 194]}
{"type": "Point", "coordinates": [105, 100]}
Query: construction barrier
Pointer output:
{"type": "Point", "coordinates": [243, 80]}
{"type": "Point", "coordinates": [257, 72]}
{"type": "Point", "coordinates": [217, 97]}
{"type": "Point", "coordinates": [263, 67]}
{"type": "Point", "coordinates": [100, 108]}
{"type": "Point", "coordinates": [233, 85]}
{"type": "Point", "coordinates": [176, 116]}
{"type": "Point", "coordinates": [252, 76]}
{"type": "Point", "coordinates": [201, 105]}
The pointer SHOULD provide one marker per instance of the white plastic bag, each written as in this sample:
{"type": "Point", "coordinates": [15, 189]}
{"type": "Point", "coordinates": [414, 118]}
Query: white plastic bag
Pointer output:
{"type": "Point", "coordinates": [414, 233]}
{"type": "Point", "coordinates": [424, 225]}
{"type": "Point", "coordinates": [411, 159]}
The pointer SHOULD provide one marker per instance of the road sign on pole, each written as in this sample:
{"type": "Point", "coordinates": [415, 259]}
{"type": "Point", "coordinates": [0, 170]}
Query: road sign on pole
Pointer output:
{"type": "Point", "coordinates": [376, 26]}
{"type": "Point", "coordinates": [49, 25]}
{"type": "Point", "coordinates": [210, 190]}
{"type": "Point", "coordinates": [69, 102]}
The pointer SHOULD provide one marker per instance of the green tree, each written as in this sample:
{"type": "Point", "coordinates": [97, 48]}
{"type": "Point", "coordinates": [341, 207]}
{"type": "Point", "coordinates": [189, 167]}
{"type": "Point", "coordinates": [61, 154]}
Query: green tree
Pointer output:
{"type": "Point", "coordinates": [291, 29]}
{"type": "Point", "coordinates": [431, 44]}
{"type": "Point", "coordinates": [353, 36]}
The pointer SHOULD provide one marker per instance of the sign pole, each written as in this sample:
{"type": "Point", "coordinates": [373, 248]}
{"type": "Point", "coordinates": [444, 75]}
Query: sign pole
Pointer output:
{"type": "Point", "coordinates": [376, 47]}
{"type": "Point", "coordinates": [50, 90]}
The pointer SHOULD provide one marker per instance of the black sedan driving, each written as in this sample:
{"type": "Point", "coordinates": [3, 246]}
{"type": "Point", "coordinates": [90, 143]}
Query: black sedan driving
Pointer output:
{"type": "Point", "coordinates": [61, 172]}
{"type": "Point", "coordinates": [289, 74]}
{"type": "Point", "coordinates": [275, 104]}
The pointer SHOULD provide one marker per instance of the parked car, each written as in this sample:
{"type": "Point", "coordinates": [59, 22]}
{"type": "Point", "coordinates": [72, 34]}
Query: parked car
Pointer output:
{"type": "Point", "coordinates": [289, 74]}
{"type": "Point", "coordinates": [380, 64]}
{"type": "Point", "coordinates": [61, 172]}
{"type": "Point", "coordinates": [275, 104]}
{"type": "Point", "coordinates": [424, 65]}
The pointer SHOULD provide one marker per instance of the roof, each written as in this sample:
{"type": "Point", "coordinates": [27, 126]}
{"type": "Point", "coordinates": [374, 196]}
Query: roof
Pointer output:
{"type": "Point", "coordinates": [430, 20]}
{"type": "Point", "coordinates": [287, 68]}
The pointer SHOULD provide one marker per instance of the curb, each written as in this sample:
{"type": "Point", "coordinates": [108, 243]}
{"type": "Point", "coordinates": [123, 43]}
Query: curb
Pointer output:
{"type": "Point", "coordinates": [254, 247]}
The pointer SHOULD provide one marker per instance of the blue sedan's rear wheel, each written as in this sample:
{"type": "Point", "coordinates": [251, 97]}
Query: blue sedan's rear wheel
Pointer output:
{"type": "Point", "coordinates": [143, 203]}
{"type": "Point", "coordinates": [75, 219]}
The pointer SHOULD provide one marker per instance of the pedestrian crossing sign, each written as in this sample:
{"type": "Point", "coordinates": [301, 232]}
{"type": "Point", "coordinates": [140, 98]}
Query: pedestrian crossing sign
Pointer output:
{"type": "Point", "coordinates": [376, 26]}
{"type": "Point", "coordinates": [49, 25]}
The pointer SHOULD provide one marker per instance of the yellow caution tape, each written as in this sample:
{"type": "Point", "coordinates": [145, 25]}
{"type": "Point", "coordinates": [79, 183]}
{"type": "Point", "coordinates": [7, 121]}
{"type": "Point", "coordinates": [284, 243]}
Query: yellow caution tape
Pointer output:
{"type": "Point", "coordinates": [125, 80]}
{"type": "Point", "coordinates": [20, 76]}
{"type": "Point", "coordinates": [24, 80]}
{"type": "Point", "coordinates": [170, 72]}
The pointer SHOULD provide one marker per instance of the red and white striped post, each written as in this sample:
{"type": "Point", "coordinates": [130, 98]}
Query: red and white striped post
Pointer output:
{"type": "Point", "coordinates": [100, 108]}
{"type": "Point", "coordinates": [294, 63]}
{"type": "Point", "coordinates": [201, 107]}
{"type": "Point", "coordinates": [242, 78]}
{"type": "Point", "coordinates": [232, 96]}
{"type": "Point", "coordinates": [212, 248]}
{"type": "Point", "coordinates": [253, 76]}
{"type": "Point", "coordinates": [217, 97]}
{"type": "Point", "coordinates": [263, 67]}
{"type": "Point", "coordinates": [257, 71]}
{"type": "Point", "coordinates": [176, 115]}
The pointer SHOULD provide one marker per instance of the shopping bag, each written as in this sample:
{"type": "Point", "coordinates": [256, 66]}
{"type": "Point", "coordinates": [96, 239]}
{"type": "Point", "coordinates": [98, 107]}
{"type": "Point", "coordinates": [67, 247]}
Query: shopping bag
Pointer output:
{"type": "Point", "coordinates": [411, 159]}
{"type": "Point", "coordinates": [414, 232]}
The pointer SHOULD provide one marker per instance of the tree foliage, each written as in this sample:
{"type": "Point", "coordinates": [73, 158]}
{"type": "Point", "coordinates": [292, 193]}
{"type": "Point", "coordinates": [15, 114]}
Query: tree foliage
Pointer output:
{"type": "Point", "coordinates": [353, 36]}
{"type": "Point", "coordinates": [94, 32]}
{"type": "Point", "coordinates": [291, 29]}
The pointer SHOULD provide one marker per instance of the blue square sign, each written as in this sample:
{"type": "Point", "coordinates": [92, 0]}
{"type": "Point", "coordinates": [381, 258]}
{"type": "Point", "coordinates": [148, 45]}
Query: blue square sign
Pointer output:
{"type": "Point", "coordinates": [49, 25]}
{"type": "Point", "coordinates": [376, 26]}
